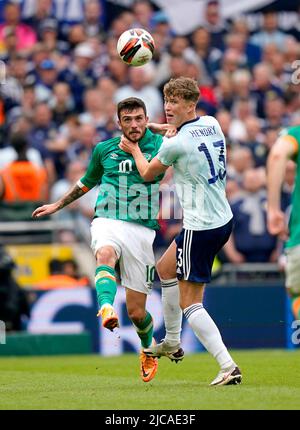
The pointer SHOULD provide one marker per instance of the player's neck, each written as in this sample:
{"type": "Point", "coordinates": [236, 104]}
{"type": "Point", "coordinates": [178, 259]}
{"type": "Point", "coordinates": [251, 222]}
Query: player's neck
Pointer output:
{"type": "Point", "coordinates": [188, 119]}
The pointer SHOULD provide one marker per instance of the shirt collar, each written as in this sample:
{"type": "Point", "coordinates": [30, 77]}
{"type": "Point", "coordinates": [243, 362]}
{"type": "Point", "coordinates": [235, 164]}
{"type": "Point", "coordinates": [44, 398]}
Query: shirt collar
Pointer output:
{"type": "Point", "coordinates": [187, 122]}
{"type": "Point", "coordinates": [146, 136]}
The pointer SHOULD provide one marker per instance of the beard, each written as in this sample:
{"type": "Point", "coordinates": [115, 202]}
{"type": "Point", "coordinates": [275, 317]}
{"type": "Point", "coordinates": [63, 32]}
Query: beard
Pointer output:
{"type": "Point", "coordinates": [134, 138]}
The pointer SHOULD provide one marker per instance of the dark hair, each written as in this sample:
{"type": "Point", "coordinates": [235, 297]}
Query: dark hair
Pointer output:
{"type": "Point", "coordinates": [19, 142]}
{"type": "Point", "coordinates": [12, 3]}
{"type": "Point", "coordinates": [269, 11]}
{"type": "Point", "coordinates": [71, 262]}
{"type": "Point", "coordinates": [130, 104]}
{"type": "Point", "coordinates": [55, 266]}
{"type": "Point", "coordinates": [213, 3]}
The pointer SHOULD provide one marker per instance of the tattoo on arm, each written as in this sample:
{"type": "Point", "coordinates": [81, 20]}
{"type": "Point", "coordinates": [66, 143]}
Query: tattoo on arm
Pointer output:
{"type": "Point", "coordinates": [72, 195]}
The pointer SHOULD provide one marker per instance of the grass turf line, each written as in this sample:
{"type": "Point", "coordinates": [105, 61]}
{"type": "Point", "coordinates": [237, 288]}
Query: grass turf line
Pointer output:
{"type": "Point", "coordinates": [270, 381]}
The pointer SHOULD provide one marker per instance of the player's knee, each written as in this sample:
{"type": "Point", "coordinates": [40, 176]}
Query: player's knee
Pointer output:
{"type": "Point", "coordinates": [136, 315]}
{"type": "Point", "coordinates": [183, 303]}
{"type": "Point", "coordinates": [163, 271]}
{"type": "Point", "coordinates": [106, 255]}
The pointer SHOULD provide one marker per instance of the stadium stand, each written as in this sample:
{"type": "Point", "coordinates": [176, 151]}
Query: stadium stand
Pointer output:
{"type": "Point", "coordinates": [64, 78]}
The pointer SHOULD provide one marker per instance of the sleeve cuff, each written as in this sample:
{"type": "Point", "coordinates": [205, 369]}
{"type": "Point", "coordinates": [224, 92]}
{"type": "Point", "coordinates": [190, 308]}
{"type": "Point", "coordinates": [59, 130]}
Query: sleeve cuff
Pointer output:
{"type": "Point", "coordinates": [82, 186]}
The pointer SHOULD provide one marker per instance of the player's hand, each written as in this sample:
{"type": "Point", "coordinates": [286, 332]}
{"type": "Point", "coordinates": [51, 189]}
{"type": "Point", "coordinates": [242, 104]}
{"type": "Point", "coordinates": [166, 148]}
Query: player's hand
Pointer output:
{"type": "Point", "coordinates": [167, 130]}
{"type": "Point", "coordinates": [45, 210]}
{"type": "Point", "coordinates": [277, 224]}
{"type": "Point", "coordinates": [156, 128]}
{"type": "Point", "coordinates": [127, 146]}
{"type": "Point", "coordinates": [171, 130]}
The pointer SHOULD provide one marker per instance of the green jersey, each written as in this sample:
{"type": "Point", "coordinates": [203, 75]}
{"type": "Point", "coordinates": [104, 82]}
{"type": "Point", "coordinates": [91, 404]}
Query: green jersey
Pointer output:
{"type": "Point", "coordinates": [123, 193]}
{"type": "Point", "coordinates": [294, 223]}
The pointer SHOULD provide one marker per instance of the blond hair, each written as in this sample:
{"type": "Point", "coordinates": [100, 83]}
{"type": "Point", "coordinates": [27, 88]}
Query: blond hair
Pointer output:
{"type": "Point", "coordinates": [185, 88]}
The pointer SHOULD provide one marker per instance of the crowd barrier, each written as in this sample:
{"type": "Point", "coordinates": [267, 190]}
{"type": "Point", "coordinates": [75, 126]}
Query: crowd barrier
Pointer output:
{"type": "Point", "coordinates": [248, 316]}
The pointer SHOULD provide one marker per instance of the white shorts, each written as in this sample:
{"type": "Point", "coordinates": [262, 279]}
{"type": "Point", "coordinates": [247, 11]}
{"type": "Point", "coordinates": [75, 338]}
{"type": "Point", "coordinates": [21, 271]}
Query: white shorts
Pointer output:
{"type": "Point", "coordinates": [133, 245]}
{"type": "Point", "coordinates": [293, 269]}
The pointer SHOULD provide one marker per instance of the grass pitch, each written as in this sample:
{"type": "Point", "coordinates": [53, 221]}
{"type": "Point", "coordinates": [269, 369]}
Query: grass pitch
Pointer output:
{"type": "Point", "coordinates": [271, 380]}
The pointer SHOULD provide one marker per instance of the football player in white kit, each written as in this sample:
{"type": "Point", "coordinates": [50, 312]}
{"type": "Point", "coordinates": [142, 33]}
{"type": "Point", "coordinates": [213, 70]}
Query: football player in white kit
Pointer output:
{"type": "Point", "coordinates": [198, 156]}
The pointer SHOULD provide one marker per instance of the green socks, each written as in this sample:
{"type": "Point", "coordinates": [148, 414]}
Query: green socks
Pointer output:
{"type": "Point", "coordinates": [145, 330]}
{"type": "Point", "coordinates": [106, 286]}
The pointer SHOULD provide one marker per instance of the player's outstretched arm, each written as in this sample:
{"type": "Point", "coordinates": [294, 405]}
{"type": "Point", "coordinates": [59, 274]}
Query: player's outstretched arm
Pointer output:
{"type": "Point", "coordinates": [280, 153]}
{"type": "Point", "coordinates": [68, 198]}
{"type": "Point", "coordinates": [167, 130]}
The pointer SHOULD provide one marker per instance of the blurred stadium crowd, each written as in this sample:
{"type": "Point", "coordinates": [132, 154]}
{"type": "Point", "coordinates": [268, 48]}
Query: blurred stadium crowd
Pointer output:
{"type": "Point", "coordinates": [62, 80]}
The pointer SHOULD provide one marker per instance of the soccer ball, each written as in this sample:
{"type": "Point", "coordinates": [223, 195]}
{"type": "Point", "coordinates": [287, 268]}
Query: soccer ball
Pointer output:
{"type": "Point", "coordinates": [135, 47]}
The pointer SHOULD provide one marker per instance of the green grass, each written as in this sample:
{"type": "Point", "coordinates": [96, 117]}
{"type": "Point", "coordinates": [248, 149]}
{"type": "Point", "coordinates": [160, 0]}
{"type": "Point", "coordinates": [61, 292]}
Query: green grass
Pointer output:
{"type": "Point", "coordinates": [271, 380]}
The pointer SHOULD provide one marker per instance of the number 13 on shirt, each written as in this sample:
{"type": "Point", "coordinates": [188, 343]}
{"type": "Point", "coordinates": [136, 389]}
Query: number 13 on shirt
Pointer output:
{"type": "Point", "coordinates": [222, 172]}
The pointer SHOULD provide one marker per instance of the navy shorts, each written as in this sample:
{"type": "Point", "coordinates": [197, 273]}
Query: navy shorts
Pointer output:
{"type": "Point", "coordinates": [196, 251]}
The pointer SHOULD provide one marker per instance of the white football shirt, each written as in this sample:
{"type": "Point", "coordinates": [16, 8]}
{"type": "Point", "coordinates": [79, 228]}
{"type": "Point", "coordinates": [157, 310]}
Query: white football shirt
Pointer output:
{"type": "Point", "coordinates": [198, 155]}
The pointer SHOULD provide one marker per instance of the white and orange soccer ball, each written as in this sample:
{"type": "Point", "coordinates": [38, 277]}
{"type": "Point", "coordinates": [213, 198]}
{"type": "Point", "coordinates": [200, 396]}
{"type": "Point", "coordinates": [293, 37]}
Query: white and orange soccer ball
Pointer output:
{"type": "Point", "coordinates": [135, 47]}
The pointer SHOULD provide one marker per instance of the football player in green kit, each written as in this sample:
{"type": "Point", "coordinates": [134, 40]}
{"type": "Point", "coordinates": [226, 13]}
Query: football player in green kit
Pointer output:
{"type": "Point", "coordinates": [285, 148]}
{"type": "Point", "coordinates": [123, 229]}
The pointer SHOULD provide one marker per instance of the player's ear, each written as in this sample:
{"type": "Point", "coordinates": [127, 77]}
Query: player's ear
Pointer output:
{"type": "Point", "coordinates": [119, 124]}
{"type": "Point", "coordinates": [190, 106]}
